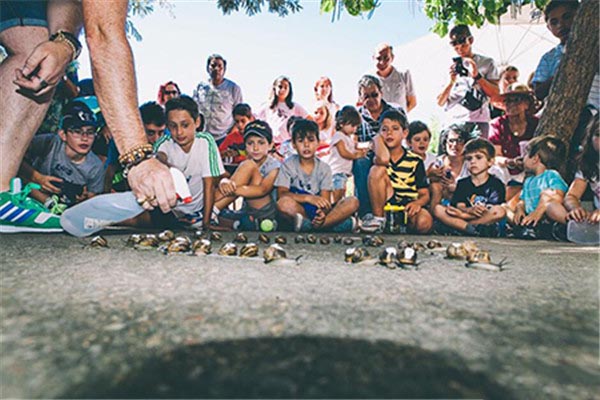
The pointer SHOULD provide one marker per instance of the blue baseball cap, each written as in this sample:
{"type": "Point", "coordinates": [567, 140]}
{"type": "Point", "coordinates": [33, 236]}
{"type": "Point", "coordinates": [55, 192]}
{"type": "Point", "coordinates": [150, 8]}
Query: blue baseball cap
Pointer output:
{"type": "Point", "coordinates": [77, 114]}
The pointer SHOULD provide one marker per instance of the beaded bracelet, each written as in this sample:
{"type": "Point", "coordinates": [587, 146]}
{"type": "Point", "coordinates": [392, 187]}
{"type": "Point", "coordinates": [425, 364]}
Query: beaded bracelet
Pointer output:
{"type": "Point", "coordinates": [69, 39]}
{"type": "Point", "coordinates": [135, 156]}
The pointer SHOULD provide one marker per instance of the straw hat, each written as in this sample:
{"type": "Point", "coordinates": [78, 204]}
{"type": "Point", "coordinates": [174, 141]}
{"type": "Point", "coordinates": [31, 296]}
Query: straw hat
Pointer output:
{"type": "Point", "coordinates": [517, 89]}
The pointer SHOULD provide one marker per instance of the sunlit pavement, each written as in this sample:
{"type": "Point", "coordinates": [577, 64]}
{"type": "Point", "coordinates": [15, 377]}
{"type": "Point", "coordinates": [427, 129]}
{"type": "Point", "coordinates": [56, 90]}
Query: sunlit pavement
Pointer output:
{"type": "Point", "coordinates": [118, 322]}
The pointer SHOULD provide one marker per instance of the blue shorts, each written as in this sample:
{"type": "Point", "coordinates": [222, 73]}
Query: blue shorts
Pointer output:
{"type": "Point", "coordinates": [23, 13]}
{"type": "Point", "coordinates": [309, 209]}
{"type": "Point", "coordinates": [339, 181]}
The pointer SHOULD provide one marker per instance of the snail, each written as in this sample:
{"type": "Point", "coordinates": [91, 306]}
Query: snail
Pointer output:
{"type": "Point", "coordinates": [324, 240]}
{"type": "Point", "coordinates": [312, 239]}
{"type": "Point", "coordinates": [373, 241]}
{"type": "Point", "coordinates": [337, 239]}
{"type": "Point", "coordinates": [263, 238]}
{"type": "Point", "coordinates": [356, 254]}
{"type": "Point", "coordinates": [299, 239]}
{"type": "Point", "coordinates": [418, 246]}
{"type": "Point", "coordinates": [348, 241]}
{"type": "Point", "coordinates": [147, 242]}
{"type": "Point", "coordinates": [201, 247]}
{"type": "Point", "coordinates": [135, 238]}
{"type": "Point", "coordinates": [216, 236]}
{"type": "Point", "coordinates": [274, 252]}
{"type": "Point", "coordinates": [166, 236]}
{"type": "Point", "coordinates": [176, 246]}
{"type": "Point", "coordinates": [249, 250]}
{"type": "Point", "coordinates": [407, 258]}
{"type": "Point", "coordinates": [280, 239]}
{"type": "Point", "coordinates": [228, 249]}
{"type": "Point", "coordinates": [481, 260]}
{"type": "Point", "coordinates": [241, 238]}
{"type": "Point", "coordinates": [433, 244]}
{"type": "Point", "coordinates": [99, 241]}
{"type": "Point", "coordinates": [389, 257]}
{"type": "Point", "coordinates": [184, 240]}
{"type": "Point", "coordinates": [456, 251]}
{"type": "Point", "coordinates": [403, 244]}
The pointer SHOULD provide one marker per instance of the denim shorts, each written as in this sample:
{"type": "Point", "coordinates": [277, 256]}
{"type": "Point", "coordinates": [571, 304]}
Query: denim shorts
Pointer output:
{"type": "Point", "coordinates": [23, 13]}
{"type": "Point", "coordinates": [339, 181]}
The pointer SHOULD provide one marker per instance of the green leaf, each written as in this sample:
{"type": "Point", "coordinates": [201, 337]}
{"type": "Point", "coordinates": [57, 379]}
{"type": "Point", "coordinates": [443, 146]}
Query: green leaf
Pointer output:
{"type": "Point", "coordinates": [327, 6]}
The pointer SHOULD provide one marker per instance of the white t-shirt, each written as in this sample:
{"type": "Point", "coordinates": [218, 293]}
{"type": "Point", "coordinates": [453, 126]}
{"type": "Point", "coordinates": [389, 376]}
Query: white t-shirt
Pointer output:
{"type": "Point", "coordinates": [429, 159]}
{"type": "Point", "coordinates": [216, 105]}
{"type": "Point", "coordinates": [457, 113]}
{"type": "Point", "coordinates": [339, 164]}
{"type": "Point", "coordinates": [202, 161]}
{"type": "Point", "coordinates": [396, 87]}
{"type": "Point", "coordinates": [277, 119]}
{"type": "Point", "coordinates": [594, 186]}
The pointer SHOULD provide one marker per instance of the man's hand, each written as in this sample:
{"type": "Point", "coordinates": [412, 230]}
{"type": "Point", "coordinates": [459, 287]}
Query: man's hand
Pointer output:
{"type": "Point", "coordinates": [153, 185]}
{"type": "Point", "coordinates": [579, 214]}
{"type": "Point", "coordinates": [84, 195]}
{"type": "Point", "coordinates": [227, 187]}
{"type": "Point", "coordinates": [319, 202]}
{"type": "Point", "coordinates": [453, 73]}
{"type": "Point", "coordinates": [472, 67]}
{"type": "Point", "coordinates": [412, 209]}
{"type": "Point", "coordinates": [47, 183]}
{"type": "Point", "coordinates": [43, 68]}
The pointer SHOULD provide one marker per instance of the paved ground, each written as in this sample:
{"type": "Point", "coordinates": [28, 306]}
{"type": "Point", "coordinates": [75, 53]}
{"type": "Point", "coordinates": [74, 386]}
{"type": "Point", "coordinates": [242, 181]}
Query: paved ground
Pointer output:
{"type": "Point", "coordinates": [82, 322]}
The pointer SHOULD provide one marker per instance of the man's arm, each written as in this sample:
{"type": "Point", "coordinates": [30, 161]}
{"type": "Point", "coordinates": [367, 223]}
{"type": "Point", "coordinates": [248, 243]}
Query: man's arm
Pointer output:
{"type": "Point", "coordinates": [411, 102]}
{"type": "Point", "coordinates": [542, 89]}
{"type": "Point", "coordinates": [114, 83]}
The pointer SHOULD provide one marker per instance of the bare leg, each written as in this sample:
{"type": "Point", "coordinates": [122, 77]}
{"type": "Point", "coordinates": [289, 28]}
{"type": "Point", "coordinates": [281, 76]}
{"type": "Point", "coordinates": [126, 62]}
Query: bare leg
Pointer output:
{"type": "Point", "coordinates": [554, 208]}
{"type": "Point", "coordinates": [246, 174]}
{"type": "Point", "coordinates": [337, 195]}
{"type": "Point", "coordinates": [493, 215]}
{"type": "Point", "coordinates": [288, 208]}
{"type": "Point", "coordinates": [422, 222]}
{"type": "Point", "coordinates": [436, 189]}
{"type": "Point", "coordinates": [21, 116]}
{"type": "Point", "coordinates": [512, 191]}
{"type": "Point", "coordinates": [457, 223]}
{"type": "Point", "coordinates": [342, 210]}
{"type": "Point", "coordinates": [380, 189]}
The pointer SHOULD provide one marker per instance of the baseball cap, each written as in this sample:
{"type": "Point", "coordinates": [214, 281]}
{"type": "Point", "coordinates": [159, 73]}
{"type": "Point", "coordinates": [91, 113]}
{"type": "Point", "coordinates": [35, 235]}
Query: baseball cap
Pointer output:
{"type": "Point", "coordinates": [77, 114]}
{"type": "Point", "coordinates": [258, 128]}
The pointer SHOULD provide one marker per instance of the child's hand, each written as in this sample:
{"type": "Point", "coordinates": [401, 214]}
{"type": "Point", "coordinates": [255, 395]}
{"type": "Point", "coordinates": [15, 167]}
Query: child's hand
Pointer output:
{"type": "Point", "coordinates": [227, 187]}
{"type": "Point", "coordinates": [477, 210]}
{"type": "Point", "coordinates": [435, 172]}
{"type": "Point", "coordinates": [47, 183]}
{"type": "Point", "coordinates": [533, 218]}
{"type": "Point", "coordinates": [412, 209]}
{"type": "Point", "coordinates": [84, 195]}
{"type": "Point", "coordinates": [361, 153]}
{"type": "Point", "coordinates": [594, 217]}
{"type": "Point", "coordinates": [578, 214]}
{"type": "Point", "coordinates": [319, 219]}
{"type": "Point", "coordinates": [319, 202]}
{"type": "Point", "coordinates": [229, 153]}
{"type": "Point", "coordinates": [518, 216]}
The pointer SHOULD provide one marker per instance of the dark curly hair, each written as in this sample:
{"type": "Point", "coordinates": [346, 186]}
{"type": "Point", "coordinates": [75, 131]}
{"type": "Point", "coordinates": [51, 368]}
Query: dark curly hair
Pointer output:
{"type": "Point", "coordinates": [587, 161]}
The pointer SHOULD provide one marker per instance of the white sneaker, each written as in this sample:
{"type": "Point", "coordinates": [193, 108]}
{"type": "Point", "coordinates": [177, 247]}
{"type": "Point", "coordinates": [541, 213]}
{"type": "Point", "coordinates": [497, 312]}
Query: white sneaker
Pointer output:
{"type": "Point", "coordinates": [372, 224]}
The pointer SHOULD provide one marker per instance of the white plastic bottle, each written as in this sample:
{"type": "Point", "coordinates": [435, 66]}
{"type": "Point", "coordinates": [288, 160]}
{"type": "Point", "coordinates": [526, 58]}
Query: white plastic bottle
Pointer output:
{"type": "Point", "coordinates": [100, 211]}
{"type": "Point", "coordinates": [583, 232]}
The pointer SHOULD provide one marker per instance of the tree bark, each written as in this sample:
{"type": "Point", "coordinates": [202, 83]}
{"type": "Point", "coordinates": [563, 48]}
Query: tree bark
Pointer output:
{"type": "Point", "coordinates": [571, 85]}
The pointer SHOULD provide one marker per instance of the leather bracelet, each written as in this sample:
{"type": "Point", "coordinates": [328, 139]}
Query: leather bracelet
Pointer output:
{"type": "Point", "coordinates": [477, 77]}
{"type": "Point", "coordinates": [69, 39]}
{"type": "Point", "coordinates": [135, 156]}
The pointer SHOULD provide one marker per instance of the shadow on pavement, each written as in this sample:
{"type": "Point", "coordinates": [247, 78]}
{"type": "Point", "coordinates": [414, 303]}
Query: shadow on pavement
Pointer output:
{"type": "Point", "coordinates": [298, 367]}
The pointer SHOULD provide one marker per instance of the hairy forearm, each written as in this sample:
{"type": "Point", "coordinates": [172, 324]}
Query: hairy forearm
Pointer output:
{"type": "Point", "coordinates": [113, 72]}
{"type": "Point", "coordinates": [571, 202]}
{"type": "Point", "coordinates": [65, 15]}
{"type": "Point", "coordinates": [27, 172]}
{"type": "Point", "coordinates": [443, 97]}
{"type": "Point", "coordinates": [490, 88]}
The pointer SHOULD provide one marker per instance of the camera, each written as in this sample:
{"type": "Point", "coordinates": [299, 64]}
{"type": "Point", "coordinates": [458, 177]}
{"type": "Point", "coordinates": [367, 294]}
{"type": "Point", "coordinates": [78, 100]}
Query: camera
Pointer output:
{"type": "Point", "coordinates": [459, 67]}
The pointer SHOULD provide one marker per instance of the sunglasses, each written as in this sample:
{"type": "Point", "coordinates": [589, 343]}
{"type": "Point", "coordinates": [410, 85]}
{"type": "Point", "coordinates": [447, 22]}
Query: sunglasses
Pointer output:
{"type": "Point", "coordinates": [171, 92]}
{"type": "Point", "coordinates": [455, 141]}
{"type": "Point", "coordinates": [373, 95]}
{"type": "Point", "coordinates": [459, 41]}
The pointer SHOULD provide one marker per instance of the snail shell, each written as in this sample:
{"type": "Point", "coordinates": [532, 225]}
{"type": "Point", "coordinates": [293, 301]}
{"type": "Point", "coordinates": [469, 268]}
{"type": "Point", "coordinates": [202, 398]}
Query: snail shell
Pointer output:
{"type": "Point", "coordinates": [228, 249]}
{"type": "Point", "coordinates": [299, 239]}
{"type": "Point", "coordinates": [418, 246]}
{"type": "Point", "coordinates": [280, 239]}
{"type": "Point", "coordinates": [249, 250]}
{"type": "Point", "coordinates": [373, 241]}
{"type": "Point", "coordinates": [388, 257]}
{"type": "Point", "coordinates": [479, 256]}
{"type": "Point", "coordinates": [202, 246]}
{"type": "Point", "coordinates": [273, 252]}
{"type": "Point", "coordinates": [356, 254]}
{"type": "Point", "coordinates": [324, 240]}
{"type": "Point", "coordinates": [147, 242]}
{"type": "Point", "coordinates": [433, 244]}
{"type": "Point", "coordinates": [337, 239]}
{"type": "Point", "coordinates": [456, 251]}
{"type": "Point", "coordinates": [348, 241]}
{"type": "Point", "coordinates": [178, 247]}
{"type": "Point", "coordinates": [263, 238]}
{"type": "Point", "coordinates": [166, 236]}
{"type": "Point", "coordinates": [184, 240]}
{"type": "Point", "coordinates": [99, 241]}
{"type": "Point", "coordinates": [241, 238]}
{"type": "Point", "coordinates": [216, 236]}
{"type": "Point", "coordinates": [135, 238]}
{"type": "Point", "coordinates": [408, 256]}
{"type": "Point", "coordinates": [403, 244]}
{"type": "Point", "coordinates": [312, 239]}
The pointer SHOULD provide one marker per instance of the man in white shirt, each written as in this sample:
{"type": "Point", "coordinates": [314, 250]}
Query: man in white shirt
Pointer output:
{"type": "Point", "coordinates": [217, 97]}
{"type": "Point", "coordinates": [397, 87]}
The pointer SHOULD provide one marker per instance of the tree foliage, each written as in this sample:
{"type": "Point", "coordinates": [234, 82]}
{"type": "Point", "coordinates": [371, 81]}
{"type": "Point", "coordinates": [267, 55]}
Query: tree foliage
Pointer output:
{"type": "Point", "coordinates": [142, 8]}
{"type": "Point", "coordinates": [251, 7]}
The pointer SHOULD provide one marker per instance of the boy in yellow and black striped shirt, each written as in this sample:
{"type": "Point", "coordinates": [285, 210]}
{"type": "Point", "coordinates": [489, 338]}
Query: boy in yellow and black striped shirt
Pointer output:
{"type": "Point", "coordinates": [397, 177]}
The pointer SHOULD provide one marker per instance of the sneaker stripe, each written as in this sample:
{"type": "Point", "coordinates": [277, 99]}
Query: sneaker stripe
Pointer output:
{"type": "Point", "coordinates": [23, 216]}
{"type": "Point", "coordinates": [6, 207]}
{"type": "Point", "coordinates": [13, 214]}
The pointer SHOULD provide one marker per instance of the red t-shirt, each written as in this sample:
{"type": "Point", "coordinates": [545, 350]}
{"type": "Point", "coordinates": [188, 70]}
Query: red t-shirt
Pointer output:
{"type": "Point", "coordinates": [234, 141]}
{"type": "Point", "coordinates": [501, 135]}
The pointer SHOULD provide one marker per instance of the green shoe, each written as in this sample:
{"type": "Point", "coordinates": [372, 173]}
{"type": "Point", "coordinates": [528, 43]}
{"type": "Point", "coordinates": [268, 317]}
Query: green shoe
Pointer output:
{"type": "Point", "coordinates": [19, 213]}
{"type": "Point", "coordinates": [55, 206]}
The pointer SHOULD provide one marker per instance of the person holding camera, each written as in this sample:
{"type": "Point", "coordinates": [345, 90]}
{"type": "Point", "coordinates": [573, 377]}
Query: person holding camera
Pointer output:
{"type": "Point", "coordinates": [473, 82]}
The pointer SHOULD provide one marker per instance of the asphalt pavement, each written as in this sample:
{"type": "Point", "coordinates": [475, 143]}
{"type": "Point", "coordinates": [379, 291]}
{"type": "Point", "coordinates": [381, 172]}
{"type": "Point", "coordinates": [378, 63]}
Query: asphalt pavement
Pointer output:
{"type": "Point", "coordinates": [83, 322]}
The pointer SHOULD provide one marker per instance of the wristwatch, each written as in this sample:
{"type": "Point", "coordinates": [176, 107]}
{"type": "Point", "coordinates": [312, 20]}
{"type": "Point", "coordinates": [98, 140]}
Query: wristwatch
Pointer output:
{"type": "Point", "coordinates": [477, 77]}
{"type": "Point", "coordinates": [69, 39]}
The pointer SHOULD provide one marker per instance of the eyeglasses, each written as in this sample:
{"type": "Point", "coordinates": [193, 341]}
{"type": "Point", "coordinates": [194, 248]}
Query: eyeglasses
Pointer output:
{"type": "Point", "coordinates": [373, 95]}
{"type": "Point", "coordinates": [383, 58]}
{"type": "Point", "coordinates": [171, 92]}
{"type": "Point", "coordinates": [78, 132]}
{"type": "Point", "coordinates": [459, 41]}
{"type": "Point", "coordinates": [515, 99]}
{"type": "Point", "coordinates": [455, 141]}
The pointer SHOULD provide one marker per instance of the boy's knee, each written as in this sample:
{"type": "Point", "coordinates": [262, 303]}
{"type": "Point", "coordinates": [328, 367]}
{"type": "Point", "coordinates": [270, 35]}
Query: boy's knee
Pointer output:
{"type": "Point", "coordinates": [285, 204]}
{"type": "Point", "coordinates": [439, 210]}
{"type": "Point", "coordinates": [377, 172]}
{"type": "Point", "coordinates": [352, 203]}
{"type": "Point", "coordinates": [498, 212]}
{"type": "Point", "coordinates": [424, 222]}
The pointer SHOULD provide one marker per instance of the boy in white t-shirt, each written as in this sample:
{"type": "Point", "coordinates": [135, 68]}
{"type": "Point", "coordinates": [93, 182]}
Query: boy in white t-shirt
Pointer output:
{"type": "Point", "coordinates": [343, 150]}
{"type": "Point", "coordinates": [196, 155]}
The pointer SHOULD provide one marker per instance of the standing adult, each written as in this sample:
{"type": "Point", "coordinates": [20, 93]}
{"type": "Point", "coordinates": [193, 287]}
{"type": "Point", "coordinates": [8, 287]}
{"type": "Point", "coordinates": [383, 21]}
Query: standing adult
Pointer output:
{"type": "Point", "coordinates": [473, 82]}
{"type": "Point", "coordinates": [397, 87]}
{"type": "Point", "coordinates": [324, 92]}
{"type": "Point", "coordinates": [41, 39]}
{"type": "Point", "coordinates": [217, 98]}
{"type": "Point", "coordinates": [373, 105]}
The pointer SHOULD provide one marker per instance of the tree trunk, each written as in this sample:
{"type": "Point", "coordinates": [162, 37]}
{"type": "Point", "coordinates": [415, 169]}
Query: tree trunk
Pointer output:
{"type": "Point", "coordinates": [571, 85]}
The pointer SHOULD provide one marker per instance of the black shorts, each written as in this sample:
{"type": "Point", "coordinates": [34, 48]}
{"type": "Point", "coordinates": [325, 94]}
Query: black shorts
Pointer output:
{"type": "Point", "coordinates": [23, 13]}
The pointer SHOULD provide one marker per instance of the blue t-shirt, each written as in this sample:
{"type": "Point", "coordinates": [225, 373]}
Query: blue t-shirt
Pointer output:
{"type": "Point", "coordinates": [535, 185]}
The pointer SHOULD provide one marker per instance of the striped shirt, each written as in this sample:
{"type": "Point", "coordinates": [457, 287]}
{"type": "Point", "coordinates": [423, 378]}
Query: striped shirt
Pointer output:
{"type": "Point", "coordinates": [202, 161]}
{"type": "Point", "coordinates": [407, 176]}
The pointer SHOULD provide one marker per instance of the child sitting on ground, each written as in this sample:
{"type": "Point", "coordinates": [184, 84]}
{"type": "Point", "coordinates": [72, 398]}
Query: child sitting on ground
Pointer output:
{"type": "Point", "coordinates": [343, 150]}
{"type": "Point", "coordinates": [541, 189]}
{"type": "Point", "coordinates": [197, 156]}
{"type": "Point", "coordinates": [63, 164]}
{"type": "Point", "coordinates": [232, 149]}
{"type": "Point", "coordinates": [253, 180]}
{"type": "Point", "coordinates": [304, 187]}
{"type": "Point", "coordinates": [397, 177]}
{"type": "Point", "coordinates": [418, 140]}
{"type": "Point", "coordinates": [476, 205]}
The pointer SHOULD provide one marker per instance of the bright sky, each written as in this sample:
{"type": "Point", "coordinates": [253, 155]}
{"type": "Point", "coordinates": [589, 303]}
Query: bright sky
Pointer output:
{"type": "Point", "coordinates": [302, 46]}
